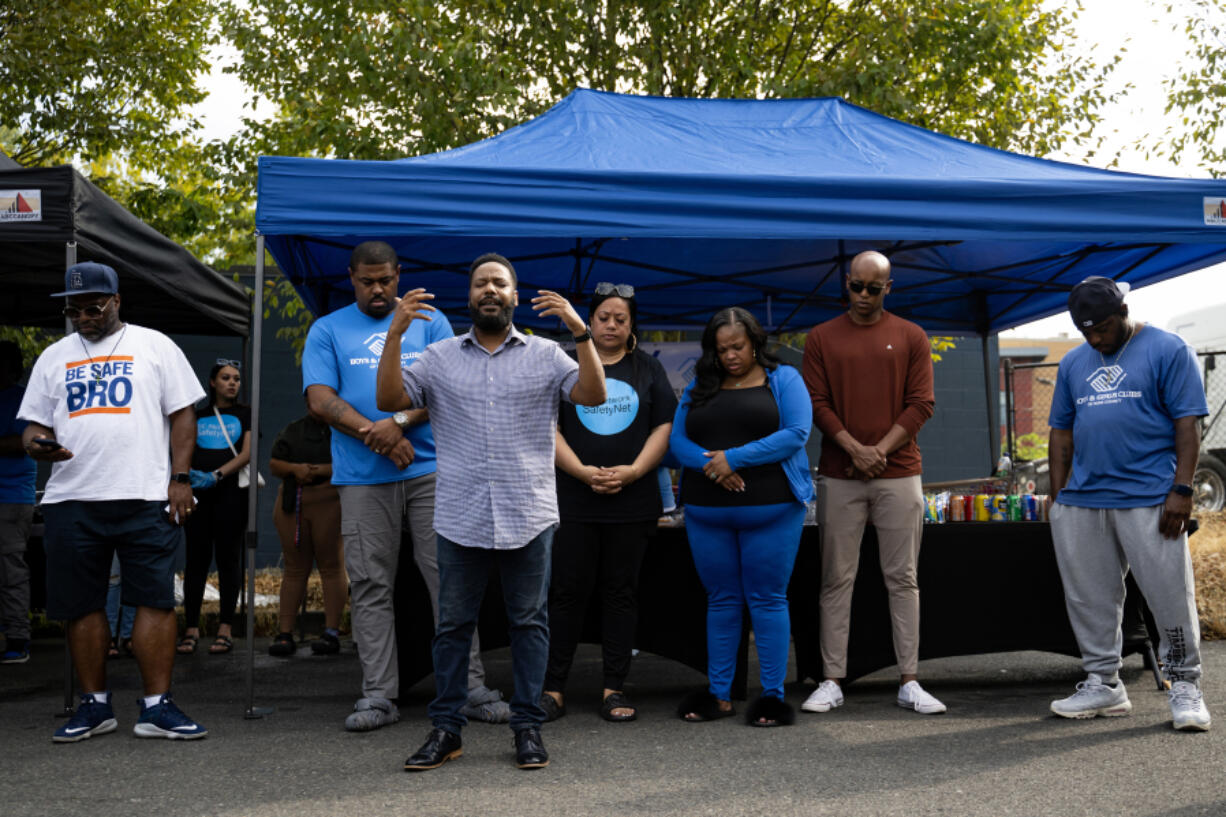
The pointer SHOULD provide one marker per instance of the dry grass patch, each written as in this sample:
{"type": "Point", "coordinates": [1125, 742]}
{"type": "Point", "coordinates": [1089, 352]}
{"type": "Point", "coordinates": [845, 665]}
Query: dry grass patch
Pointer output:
{"type": "Point", "coordinates": [1208, 546]}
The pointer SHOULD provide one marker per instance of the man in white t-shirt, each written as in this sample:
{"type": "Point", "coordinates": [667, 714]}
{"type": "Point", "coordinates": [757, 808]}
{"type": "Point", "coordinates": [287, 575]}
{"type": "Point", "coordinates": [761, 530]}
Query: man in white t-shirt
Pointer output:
{"type": "Point", "coordinates": [111, 406]}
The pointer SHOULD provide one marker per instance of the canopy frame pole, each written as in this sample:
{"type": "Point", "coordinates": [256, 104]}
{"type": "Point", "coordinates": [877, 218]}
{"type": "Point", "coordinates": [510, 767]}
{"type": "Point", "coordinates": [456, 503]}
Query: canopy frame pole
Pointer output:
{"type": "Point", "coordinates": [70, 258]}
{"type": "Point", "coordinates": [253, 496]}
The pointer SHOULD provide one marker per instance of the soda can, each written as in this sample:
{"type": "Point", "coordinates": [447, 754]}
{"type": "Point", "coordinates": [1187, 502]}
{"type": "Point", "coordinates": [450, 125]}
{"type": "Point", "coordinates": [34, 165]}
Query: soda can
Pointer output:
{"type": "Point", "coordinates": [1030, 508]}
{"type": "Point", "coordinates": [983, 508]}
{"type": "Point", "coordinates": [968, 508]}
{"type": "Point", "coordinates": [1044, 506]}
{"type": "Point", "coordinates": [1000, 508]}
{"type": "Point", "coordinates": [957, 508]}
{"type": "Point", "coordinates": [1015, 508]}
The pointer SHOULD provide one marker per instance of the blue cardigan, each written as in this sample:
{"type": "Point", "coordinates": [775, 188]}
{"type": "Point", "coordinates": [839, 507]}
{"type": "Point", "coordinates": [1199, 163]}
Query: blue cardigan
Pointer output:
{"type": "Point", "coordinates": [785, 446]}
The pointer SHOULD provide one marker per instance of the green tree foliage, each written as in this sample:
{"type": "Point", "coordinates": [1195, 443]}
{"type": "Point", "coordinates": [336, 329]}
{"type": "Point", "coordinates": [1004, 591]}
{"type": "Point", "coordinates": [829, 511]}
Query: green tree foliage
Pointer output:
{"type": "Point", "coordinates": [81, 78]}
{"type": "Point", "coordinates": [1198, 92]}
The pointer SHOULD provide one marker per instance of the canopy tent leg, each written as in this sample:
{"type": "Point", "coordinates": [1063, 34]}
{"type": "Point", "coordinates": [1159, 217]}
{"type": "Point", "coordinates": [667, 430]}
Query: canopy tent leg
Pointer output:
{"type": "Point", "coordinates": [989, 394]}
{"type": "Point", "coordinates": [70, 258]}
{"type": "Point", "coordinates": [252, 539]}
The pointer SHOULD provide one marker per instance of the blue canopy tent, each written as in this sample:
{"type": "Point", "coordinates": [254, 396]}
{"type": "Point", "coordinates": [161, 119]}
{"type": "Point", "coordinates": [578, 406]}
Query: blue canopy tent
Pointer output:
{"type": "Point", "coordinates": [706, 203]}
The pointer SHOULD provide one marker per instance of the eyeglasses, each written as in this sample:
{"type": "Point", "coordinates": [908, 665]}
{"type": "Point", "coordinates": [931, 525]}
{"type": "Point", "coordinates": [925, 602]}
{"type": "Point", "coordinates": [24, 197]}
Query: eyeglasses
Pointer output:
{"type": "Point", "coordinates": [622, 290]}
{"type": "Point", "coordinates": [859, 286]}
{"type": "Point", "coordinates": [72, 313]}
{"type": "Point", "coordinates": [222, 361]}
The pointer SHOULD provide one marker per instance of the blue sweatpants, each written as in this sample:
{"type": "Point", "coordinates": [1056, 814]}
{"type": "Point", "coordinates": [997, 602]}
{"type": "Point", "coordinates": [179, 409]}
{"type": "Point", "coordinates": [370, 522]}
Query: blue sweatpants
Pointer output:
{"type": "Point", "coordinates": [744, 555]}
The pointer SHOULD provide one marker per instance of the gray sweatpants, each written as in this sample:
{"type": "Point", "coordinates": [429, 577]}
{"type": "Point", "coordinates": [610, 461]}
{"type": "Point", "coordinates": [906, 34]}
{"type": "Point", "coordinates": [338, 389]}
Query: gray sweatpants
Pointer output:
{"type": "Point", "coordinates": [371, 521]}
{"type": "Point", "coordinates": [14, 573]}
{"type": "Point", "coordinates": [1095, 548]}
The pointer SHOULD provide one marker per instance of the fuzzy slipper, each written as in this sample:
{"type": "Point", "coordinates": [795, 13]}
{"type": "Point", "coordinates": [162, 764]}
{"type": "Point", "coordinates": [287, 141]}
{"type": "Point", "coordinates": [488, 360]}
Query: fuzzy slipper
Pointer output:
{"type": "Point", "coordinates": [703, 705]}
{"type": "Point", "coordinates": [770, 711]}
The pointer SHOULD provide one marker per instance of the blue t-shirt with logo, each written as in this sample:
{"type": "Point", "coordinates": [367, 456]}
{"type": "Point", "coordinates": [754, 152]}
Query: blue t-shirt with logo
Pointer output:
{"type": "Point", "coordinates": [1121, 410]}
{"type": "Point", "coordinates": [16, 473]}
{"type": "Point", "coordinates": [342, 351]}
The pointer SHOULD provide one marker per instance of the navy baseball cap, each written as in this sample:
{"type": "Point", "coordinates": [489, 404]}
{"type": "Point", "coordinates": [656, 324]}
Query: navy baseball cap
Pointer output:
{"type": "Point", "coordinates": [89, 278]}
{"type": "Point", "coordinates": [1095, 299]}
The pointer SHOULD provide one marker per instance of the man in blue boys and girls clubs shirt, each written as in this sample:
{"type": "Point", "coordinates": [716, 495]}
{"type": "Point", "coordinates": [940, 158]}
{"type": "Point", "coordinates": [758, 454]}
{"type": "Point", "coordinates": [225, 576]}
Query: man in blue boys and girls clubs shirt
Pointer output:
{"type": "Point", "coordinates": [1124, 441]}
{"type": "Point", "coordinates": [383, 467]}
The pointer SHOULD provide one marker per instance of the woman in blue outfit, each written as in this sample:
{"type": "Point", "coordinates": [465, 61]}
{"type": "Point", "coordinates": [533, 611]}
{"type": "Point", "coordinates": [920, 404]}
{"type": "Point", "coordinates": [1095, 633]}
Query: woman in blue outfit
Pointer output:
{"type": "Point", "coordinates": [740, 433]}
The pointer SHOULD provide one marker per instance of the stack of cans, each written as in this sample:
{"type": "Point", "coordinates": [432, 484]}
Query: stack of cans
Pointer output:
{"type": "Point", "coordinates": [987, 508]}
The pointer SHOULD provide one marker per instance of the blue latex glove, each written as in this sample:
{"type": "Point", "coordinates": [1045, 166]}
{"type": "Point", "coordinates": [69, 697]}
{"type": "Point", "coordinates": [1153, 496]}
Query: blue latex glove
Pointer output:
{"type": "Point", "coordinates": [202, 480]}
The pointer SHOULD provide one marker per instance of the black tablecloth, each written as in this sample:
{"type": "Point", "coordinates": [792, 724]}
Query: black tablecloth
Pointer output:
{"type": "Point", "coordinates": [984, 587]}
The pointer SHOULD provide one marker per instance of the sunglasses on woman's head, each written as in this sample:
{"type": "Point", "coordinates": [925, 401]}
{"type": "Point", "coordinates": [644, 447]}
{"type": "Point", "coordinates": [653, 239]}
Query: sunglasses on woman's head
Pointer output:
{"type": "Point", "coordinates": [622, 290]}
{"type": "Point", "coordinates": [859, 286]}
{"type": "Point", "coordinates": [222, 361]}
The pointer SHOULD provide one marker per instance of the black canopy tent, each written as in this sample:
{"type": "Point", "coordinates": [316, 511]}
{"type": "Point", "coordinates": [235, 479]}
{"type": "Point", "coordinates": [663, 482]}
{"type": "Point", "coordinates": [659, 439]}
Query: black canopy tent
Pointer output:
{"type": "Point", "coordinates": [51, 217]}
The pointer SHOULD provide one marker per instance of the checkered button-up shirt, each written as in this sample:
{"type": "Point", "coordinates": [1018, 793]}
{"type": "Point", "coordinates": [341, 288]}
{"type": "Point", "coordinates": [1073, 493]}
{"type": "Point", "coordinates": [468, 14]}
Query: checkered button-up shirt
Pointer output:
{"type": "Point", "coordinates": [493, 416]}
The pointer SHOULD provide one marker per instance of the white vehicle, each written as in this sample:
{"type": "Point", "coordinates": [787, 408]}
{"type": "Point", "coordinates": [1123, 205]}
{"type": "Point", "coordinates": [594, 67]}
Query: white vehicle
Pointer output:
{"type": "Point", "coordinates": [1205, 329]}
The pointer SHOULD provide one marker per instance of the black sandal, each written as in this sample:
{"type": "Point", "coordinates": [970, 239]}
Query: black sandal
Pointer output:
{"type": "Point", "coordinates": [187, 644]}
{"type": "Point", "coordinates": [283, 645]}
{"type": "Point", "coordinates": [770, 711]}
{"type": "Point", "coordinates": [553, 709]}
{"type": "Point", "coordinates": [616, 700]}
{"type": "Point", "coordinates": [221, 645]}
{"type": "Point", "coordinates": [113, 650]}
{"type": "Point", "coordinates": [703, 706]}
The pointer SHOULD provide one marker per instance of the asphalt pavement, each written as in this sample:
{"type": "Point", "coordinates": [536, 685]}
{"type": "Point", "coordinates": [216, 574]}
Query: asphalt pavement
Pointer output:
{"type": "Point", "coordinates": [996, 752]}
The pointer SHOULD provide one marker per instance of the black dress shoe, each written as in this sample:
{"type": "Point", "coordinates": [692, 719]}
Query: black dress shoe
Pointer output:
{"type": "Point", "coordinates": [530, 749]}
{"type": "Point", "coordinates": [440, 746]}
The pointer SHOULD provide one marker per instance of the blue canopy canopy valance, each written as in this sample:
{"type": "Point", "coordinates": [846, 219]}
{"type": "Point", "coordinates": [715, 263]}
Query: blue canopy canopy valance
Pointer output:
{"type": "Point", "coordinates": [703, 203]}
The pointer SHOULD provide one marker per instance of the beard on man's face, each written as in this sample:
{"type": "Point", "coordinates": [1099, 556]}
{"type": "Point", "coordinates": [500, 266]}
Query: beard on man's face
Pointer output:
{"type": "Point", "coordinates": [491, 321]}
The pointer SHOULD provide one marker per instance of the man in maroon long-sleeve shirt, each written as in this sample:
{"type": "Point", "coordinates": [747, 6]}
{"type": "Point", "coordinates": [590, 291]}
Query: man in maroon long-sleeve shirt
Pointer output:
{"type": "Point", "coordinates": [869, 374]}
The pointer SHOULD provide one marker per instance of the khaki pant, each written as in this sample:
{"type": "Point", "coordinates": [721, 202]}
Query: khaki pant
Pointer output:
{"type": "Point", "coordinates": [896, 509]}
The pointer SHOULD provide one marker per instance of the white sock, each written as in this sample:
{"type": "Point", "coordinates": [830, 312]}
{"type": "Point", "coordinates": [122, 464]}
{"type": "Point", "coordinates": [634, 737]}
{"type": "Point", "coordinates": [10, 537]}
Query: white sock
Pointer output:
{"type": "Point", "coordinates": [100, 697]}
{"type": "Point", "coordinates": [152, 700]}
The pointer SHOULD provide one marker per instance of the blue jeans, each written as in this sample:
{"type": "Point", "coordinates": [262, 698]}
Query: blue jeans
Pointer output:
{"type": "Point", "coordinates": [463, 574]}
{"type": "Point", "coordinates": [119, 617]}
{"type": "Point", "coordinates": [744, 555]}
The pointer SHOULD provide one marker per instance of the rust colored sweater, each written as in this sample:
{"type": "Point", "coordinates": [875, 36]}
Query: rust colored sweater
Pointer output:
{"type": "Point", "coordinates": [865, 379]}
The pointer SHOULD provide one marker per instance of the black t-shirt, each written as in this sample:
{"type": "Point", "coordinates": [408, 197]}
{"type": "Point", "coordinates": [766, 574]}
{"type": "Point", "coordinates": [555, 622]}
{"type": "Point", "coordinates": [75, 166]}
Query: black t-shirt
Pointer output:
{"type": "Point", "coordinates": [304, 440]}
{"type": "Point", "coordinates": [211, 450]}
{"type": "Point", "coordinates": [613, 433]}
{"type": "Point", "coordinates": [731, 418]}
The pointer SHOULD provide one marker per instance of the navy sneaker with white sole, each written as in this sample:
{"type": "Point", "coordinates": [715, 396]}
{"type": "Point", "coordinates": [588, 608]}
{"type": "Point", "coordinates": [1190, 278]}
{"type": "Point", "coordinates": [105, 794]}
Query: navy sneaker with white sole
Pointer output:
{"type": "Point", "coordinates": [165, 720]}
{"type": "Point", "coordinates": [92, 717]}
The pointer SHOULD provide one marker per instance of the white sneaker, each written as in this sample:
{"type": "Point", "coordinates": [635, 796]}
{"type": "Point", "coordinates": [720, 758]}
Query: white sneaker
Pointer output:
{"type": "Point", "coordinates": [1092, 698]}
{"type": "Point", "coordinates": [371, 713]}
{"type": "Point", "coordinates": [1188, 709]}
{"type": "Point", "coordinates": [912, 696]}
{"type": "Point", "coordinates": [827, 696]}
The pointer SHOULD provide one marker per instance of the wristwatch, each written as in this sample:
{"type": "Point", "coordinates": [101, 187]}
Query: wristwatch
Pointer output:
{"type": "Point", "coordinates": [183, 477]}
{"type": "Point", "coordinates": [401, 419]}
{"type": "Point", "coordinates": [586, 336]}
{"type": "Point", "coordinates": [1182, 489]}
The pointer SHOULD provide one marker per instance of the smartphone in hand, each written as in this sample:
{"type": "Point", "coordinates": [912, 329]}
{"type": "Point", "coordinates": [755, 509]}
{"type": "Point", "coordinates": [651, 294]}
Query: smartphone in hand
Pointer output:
{"type": "Point", "coordinates": [50, 445]}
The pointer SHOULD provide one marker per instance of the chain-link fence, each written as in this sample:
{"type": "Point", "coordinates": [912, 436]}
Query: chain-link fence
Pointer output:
{"type": "Point", "coordinates": [1027, 391]}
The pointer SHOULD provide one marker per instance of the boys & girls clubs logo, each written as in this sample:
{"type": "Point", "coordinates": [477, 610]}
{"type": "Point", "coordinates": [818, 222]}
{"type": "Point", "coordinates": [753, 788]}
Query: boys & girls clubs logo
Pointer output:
{"type": "Point", "coordinates": [21, 205]}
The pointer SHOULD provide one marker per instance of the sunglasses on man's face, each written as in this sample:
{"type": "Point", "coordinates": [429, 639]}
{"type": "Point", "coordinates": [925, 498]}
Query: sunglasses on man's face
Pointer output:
{"type": "Point", "coordinates": [93, 311]}
{"type": "Point", "coordinates": [859, 286]}
{"type": "Point", "coordinates": [622, 290]}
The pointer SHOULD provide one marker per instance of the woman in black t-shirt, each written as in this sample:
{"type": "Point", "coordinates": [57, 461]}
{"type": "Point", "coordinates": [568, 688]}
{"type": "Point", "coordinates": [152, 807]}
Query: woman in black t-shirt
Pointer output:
{"type": "Point", "coordinates": [223, 426]}
{"type": "Point", "coordinates": [608, 500]}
